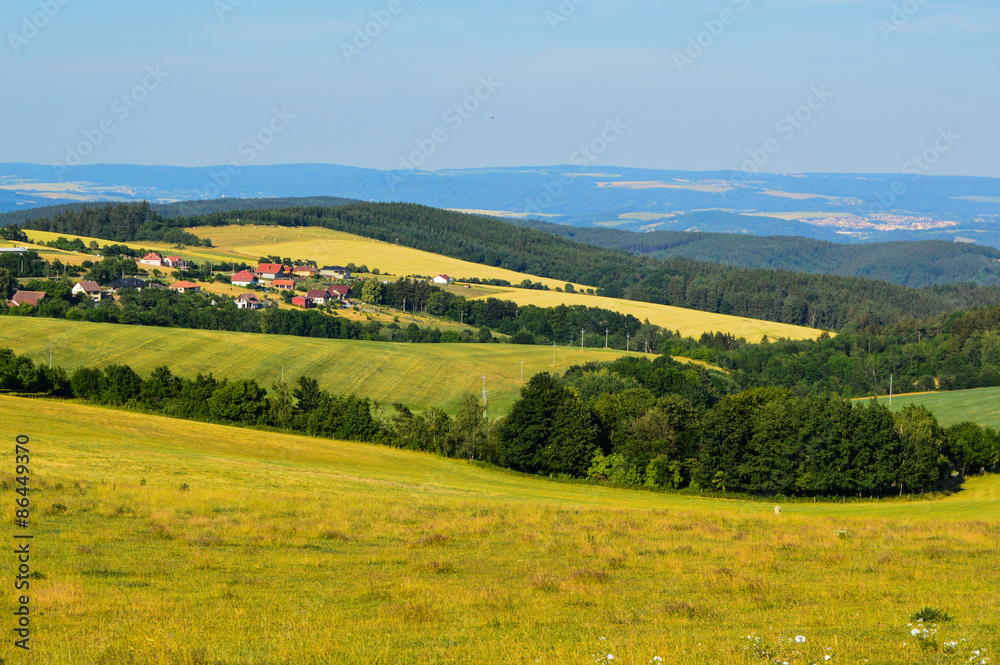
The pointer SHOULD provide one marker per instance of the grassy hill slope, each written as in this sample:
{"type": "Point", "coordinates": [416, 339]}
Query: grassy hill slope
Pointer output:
{"type": "Point", "coordinates": [980, 405]}
{"type": "Point", "coordinates": [418, 375]}
{"type": "Point", "coordinates": [165, 541]}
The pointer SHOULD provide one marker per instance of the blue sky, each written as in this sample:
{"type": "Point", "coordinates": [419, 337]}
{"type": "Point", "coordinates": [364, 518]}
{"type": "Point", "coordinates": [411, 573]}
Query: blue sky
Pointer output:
{"type": "Point", "coordinates": [201, 77]}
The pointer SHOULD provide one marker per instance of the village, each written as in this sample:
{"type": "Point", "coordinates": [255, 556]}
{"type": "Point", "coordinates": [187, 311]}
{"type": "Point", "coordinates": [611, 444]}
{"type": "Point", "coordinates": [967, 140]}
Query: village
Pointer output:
{"type": "Point", "coordinates": [301, 286]}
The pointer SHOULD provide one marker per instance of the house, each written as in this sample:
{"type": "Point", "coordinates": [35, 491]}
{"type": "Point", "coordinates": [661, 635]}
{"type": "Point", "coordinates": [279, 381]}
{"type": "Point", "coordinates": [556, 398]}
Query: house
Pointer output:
{"type": "Point", "coordinates": [301, 301]}
{"type": "Point", "coordinates": [305, 271]}
{"type": "Point", "coordinates": [270, 271]}
{"type": "Point", "coordinates": [88, 289]}
{"type": "Point", "coordinates": [184, 287]}
{"type": "Point", "coordinates": [243, 278]}
{"type": "Point", "coordinates": [152, 259]}
{"type": "Point", "coordinates": [248, 301]}
{"type": "Point", "coordinates": [284, 284]}
{"type": "Point", "coordinates": [335, 272]}
{"type": "Point", "coordinates": [175, 262]}
{"type": "Point", "coordinates": [339, 292]}
{"type": "Point", "coordinates": [441, 279]}
{"type": "Point", "coordinates": [127, 283]}
{"type": "Point", "coordinates": [26, 298]}
{"type": "Point", "coordinates": [318, 297]}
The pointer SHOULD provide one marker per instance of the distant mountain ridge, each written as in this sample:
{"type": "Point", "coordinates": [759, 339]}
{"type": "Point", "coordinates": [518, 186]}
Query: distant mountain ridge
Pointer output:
{"type": "Point", "coordinates": [835, 207]}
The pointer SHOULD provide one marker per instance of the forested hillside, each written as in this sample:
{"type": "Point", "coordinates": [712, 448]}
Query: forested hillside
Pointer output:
{"type": "Point", "coordinates": [819, 301]}
{"type": "Point", "coordinates": [917, 263]}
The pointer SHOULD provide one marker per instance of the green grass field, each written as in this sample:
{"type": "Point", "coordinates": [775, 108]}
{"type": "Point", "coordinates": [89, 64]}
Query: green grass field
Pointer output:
{"type": "Point", "coordinates": [173, 542]}
{"type": "Point", "coordinates": [418, 375]}
{"type": "Point", "coordinates": [980, 405]}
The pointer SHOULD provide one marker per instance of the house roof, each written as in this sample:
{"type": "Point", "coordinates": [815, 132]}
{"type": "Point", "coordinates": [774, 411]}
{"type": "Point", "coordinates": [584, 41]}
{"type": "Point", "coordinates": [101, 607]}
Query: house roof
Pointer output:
{"type": "Point", "coordinates": [184, 285]}
{"type": "Point", "coordinates": [442, 277]}
{"type": "Point", "coordinates": [337, 268]}
{"type": "Point", "coordinates": [340, 289]}
{"type": "Point", "coordinates": [316, 293]}
{"type": "Point", "coordinates": [175, 258]}
{"type": "Point", "coordinates": [127, 283]}
{"type": "Point", "coordinates": [248, 297]}
{"type": "Point", "coordinates": [27, 297]}
{"type": "Point", "coordinates": [152, 255]}
{"type": "Point", "coordinates": [243, 276]}
{"type": "Point", "coordinates": [270, 267]}
{"type": "Point", "coordinates": [284, 282]}
{"type": "Point", "coordinates": [303, 269]}
{"type": "Point", "coordinates": [89, 287]}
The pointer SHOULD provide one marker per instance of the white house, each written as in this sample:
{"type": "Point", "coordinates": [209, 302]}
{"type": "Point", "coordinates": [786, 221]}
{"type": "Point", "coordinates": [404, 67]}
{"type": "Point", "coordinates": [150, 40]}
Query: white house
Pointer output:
{"type": "Point", "coordinates": [152, 259]}
{"type": "Point", "coordinates": [89, 289]}
{"type": "Point", "coordinates": [441, 279]}
{"type": "Point", "coordinates": [248, 301]}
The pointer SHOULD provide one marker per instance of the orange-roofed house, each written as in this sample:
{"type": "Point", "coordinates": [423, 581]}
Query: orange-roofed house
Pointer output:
{"type": "Point", "coordinates": [284, 284]}
{"type": "Point", "coordinates": [243, 278]}
{"type": "Point", "coordinates": [185, 287]}
{"type": "Point", "coordinates": [270, 271]}
{"type": "Point", "coordinates": [152, 259]}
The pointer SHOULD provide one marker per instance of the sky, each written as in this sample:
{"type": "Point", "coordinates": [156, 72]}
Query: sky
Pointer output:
{"type": "Point", "coordinates": [785, 86]}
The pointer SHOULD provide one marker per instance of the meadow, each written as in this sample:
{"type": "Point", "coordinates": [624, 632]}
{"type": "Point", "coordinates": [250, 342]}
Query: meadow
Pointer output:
{"type": "Point", "coordinates": [980, 405]}
{"type": "Point", "coordinates": [418, 375]}
{"type": "Point", "coordinates": [174, 542]}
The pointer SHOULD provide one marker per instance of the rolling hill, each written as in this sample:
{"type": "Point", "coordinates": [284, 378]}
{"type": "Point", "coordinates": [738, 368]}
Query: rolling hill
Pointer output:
{"type": "Point", "coordinates": [158, 540]}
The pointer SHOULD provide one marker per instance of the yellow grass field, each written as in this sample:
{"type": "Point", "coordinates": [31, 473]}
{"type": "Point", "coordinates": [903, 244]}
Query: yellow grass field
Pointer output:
{"type": "Point", "coordinates": [167, 542]}
{"type": "Point", "coordinates": [418, 375]}
{"type": "Point", "coordinates": [690, 322]}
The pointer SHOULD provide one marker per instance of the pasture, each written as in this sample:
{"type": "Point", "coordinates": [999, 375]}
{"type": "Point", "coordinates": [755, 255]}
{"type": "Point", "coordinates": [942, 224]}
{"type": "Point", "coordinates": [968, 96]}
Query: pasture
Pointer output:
{"type": "Point", "coordinates": [173, 542]}
{"type": "Point", "coordinates": [980, 405]}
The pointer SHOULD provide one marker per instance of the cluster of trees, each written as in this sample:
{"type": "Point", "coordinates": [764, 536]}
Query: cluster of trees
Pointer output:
{"type": "Point", "coordinates": [121, 222]}
{"type": "Point", "coordinates": [607, 425]}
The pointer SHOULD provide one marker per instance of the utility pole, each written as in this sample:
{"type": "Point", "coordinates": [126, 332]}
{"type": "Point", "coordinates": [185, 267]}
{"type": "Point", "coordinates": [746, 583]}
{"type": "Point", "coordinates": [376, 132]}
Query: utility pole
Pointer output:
{"type": "Point", "coordinates": [484, 394]}
{"type": "Point", "coordinates": [581, 338]}
{"type": "Point", "coordinates": [282, 373]}
{"type": "Point", "coordinates": [605, 338]}
{"type": "Point", "coordinates": [627, 337]}
{"type": "Point", "coordinates": [890, 388]}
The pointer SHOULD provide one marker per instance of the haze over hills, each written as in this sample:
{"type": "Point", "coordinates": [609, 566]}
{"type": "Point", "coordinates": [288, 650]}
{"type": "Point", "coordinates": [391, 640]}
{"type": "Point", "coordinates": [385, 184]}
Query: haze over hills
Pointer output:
{"type": "Point", "coordinates": [835, 207]}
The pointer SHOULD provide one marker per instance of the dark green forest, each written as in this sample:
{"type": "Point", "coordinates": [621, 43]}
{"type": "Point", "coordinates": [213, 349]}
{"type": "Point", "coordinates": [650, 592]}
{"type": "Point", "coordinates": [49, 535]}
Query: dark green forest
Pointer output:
{"type": "Point", "coordinates": [916, 263]}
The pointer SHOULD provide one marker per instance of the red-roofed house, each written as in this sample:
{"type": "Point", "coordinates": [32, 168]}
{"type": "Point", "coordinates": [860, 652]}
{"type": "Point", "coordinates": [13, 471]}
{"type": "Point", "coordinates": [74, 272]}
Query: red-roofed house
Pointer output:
{"type": "Point", "coordinates": [89, 289]}
{"type": "Point", "coordinates": [318, 297]}
{"type": "Point", "coordinates": [243, 278]}
{"type": "Point", "coordinates": [441, 279]}
{"type": "Point", "coordinates": [248, 301]}
{"type": "Point", "coordinates": [270, 270]}
{"type": "Point", "coordinates": [152, 259]}
{"type": "Point", "coordinates": [175, 262]}
{"type": "Point", "coordinates": [184, 287]}
{"type": "Point", "coordinates": [26, 298]}
{"type": "Point", "coordinates": [338, 291]}
{"type": "Point", "coordinates": [284, 284]}
{"type": "Point", "coordinates": [301, 301]}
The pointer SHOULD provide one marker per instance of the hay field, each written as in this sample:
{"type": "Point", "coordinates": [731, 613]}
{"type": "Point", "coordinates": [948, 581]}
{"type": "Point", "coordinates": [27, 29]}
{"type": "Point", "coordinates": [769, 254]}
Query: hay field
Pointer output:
{"type": "Point", "coordinates": [180, 543]}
